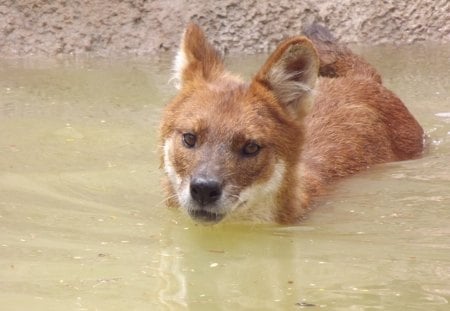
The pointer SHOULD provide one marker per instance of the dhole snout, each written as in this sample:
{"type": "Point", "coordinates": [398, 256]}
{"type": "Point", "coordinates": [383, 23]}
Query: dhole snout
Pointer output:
{"type": "Point", "coordinates": [261, 150]}
{"type": "Point", "coordinates": [205, 190]}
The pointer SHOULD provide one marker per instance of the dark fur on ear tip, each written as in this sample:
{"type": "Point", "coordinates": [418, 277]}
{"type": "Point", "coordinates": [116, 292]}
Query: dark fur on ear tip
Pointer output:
{"type": "Point", "coordinates": [318, 32]}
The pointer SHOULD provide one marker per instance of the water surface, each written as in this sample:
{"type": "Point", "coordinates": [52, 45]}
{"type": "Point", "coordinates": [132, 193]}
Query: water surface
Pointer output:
{"type": "Point", "coordinates": [83, 225]}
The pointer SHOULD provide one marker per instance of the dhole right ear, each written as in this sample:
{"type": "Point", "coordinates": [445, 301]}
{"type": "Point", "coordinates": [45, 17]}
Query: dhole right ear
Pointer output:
{"type": "Point", "coordinates": [196, 58]}
{"type": "Point", "coordinates": [290, 73]}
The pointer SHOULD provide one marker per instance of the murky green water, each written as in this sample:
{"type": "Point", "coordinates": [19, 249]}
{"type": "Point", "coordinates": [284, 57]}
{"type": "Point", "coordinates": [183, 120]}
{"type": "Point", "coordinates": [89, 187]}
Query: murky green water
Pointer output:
{"type": "Point", "coordinates": [83, 227]}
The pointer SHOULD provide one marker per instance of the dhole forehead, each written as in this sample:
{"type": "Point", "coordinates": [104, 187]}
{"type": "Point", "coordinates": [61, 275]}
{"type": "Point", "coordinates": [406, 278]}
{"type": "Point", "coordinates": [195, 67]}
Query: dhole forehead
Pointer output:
{"type": "Point", "coordinates": [235, 114]}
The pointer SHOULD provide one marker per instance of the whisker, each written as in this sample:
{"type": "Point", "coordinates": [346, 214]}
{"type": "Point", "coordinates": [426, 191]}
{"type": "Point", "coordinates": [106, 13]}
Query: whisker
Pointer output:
{"type": "Point", "coordinates": [166, 199]}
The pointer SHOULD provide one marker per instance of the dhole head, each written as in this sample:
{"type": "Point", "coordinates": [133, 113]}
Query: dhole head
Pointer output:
{"type": "Point", "coordinates": [230, 148]}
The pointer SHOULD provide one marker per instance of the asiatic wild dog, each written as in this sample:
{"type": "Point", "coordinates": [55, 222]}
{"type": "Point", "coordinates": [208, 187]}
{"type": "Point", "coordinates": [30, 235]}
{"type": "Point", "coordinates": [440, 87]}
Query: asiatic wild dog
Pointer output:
{"type": "Point", "coordinates": [260, 151]}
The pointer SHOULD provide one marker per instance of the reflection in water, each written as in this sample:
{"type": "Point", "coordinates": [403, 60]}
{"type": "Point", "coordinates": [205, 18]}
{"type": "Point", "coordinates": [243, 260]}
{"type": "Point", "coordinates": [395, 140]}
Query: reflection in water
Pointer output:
{"type": "Point", "coordinates": [83, 225]}
{"type": "Point", "coordinates": [173, 292]}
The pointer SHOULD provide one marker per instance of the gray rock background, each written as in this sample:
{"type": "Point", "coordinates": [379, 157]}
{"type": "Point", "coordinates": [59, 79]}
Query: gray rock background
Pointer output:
{"type": "Point", "coordinates": [113, 27]}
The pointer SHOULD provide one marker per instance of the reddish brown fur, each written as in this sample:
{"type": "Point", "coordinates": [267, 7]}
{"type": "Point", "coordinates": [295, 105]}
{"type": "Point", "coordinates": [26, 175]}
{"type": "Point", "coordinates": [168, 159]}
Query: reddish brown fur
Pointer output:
{"type": "Point", "coordinates": [354, 123]}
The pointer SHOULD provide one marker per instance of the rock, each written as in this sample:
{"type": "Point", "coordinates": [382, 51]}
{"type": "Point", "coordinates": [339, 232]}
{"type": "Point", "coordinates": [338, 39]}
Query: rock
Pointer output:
{"type": "Point", "coordinates": [140, 27]}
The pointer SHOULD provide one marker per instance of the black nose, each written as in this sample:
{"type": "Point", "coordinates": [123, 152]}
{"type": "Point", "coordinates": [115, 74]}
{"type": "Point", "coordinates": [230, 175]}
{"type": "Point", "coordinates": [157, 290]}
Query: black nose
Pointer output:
{"type": "Point", "coordinates": [205, 191]}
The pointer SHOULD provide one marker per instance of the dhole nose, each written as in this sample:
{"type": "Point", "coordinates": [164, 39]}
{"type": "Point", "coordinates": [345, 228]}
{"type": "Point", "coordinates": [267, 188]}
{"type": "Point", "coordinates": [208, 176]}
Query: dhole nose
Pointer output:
{"type": "Point", "coordinates": [205, 191]}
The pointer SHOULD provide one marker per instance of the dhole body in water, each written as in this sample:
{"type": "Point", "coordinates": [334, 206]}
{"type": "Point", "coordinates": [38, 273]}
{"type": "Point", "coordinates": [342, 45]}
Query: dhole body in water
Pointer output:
{"type": "Point", "coordinates": [261, 151]}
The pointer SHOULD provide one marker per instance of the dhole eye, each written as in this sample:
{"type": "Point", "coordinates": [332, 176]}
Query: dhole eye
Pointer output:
{"type": "Point", "coordinates": [189, 140]}
{"type": "Point", "coordinates": [251, 149]}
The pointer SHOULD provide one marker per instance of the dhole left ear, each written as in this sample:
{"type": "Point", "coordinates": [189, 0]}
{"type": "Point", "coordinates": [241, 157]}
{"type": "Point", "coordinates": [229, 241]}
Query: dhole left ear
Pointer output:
{"type": "Point", "coordinates": [290, 73]}
{"type": "Point", "coordinates": [196, 58]}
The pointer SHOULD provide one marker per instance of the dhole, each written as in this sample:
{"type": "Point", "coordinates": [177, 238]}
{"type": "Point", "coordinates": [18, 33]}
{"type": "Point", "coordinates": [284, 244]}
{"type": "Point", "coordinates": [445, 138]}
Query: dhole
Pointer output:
{"type": "Point", "coordinates": [260, 151]}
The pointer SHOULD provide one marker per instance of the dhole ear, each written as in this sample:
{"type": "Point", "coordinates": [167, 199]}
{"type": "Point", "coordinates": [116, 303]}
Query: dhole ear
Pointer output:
{"type": "Point", "coordinates": [291, 72]}
{"type": "Point", "coordinates": [196, 58]}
